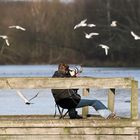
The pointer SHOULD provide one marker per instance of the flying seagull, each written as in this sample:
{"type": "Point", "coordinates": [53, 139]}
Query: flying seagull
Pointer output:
{"type": "Point", "coordinates": [88, 36]}
{"type": "Point", "coordinates": [20, 94]}
{"type": "Point", "coordinates": [81, 24]}
{"type": "Point", "coordinates": [104, 47]}
{"type": "Point", "coordinates": [91, 25]}
{"type": "Point", "coordinates": [113, 24]}
{"type": "Point", "coordinates": [6, 39]}
{"type": "Point", "coordinates": [26, 101]}
{"type": "Point", "coordinates": [23, 97]}
{"type": "Point", "coordinates": [17, 27]}
{"type": "Point", "coordinates": [136, 37]}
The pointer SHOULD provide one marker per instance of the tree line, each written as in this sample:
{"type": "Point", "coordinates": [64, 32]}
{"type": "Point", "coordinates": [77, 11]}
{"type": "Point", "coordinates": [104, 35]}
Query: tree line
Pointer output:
{"type": "Point", "coordinates": [50, 37]}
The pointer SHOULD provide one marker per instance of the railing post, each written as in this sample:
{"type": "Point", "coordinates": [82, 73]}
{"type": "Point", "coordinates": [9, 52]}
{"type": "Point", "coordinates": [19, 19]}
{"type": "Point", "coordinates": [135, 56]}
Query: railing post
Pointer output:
{"type": "Point", "coordinates": [85, 109]}
{"type": "Point", "coordinates": [134, 100]}
{"type": "Point", "coordinates": [111, 99]}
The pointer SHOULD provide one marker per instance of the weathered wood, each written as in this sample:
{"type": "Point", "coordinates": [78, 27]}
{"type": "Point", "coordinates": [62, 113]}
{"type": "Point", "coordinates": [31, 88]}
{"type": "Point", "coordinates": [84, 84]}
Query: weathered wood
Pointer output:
{"type": "Point", "coordinates": [41, 128]}
{"type": "Point", "coordinates": [69, 137]}
{"type": "Point", "coordinates": [68, 131]}
{"type": "Point", "coordinates": [61, 83]}
{"type": "Point", "coordinates": [111, 99]}
{"type": "Point", "coordinates": [139, 134]}
{"type": "Point", "coordinates": [134, 100]}
{"type": "Point", "coordinates": [57, 123]}
{"type": "Point", "coordinates": [85, 109]}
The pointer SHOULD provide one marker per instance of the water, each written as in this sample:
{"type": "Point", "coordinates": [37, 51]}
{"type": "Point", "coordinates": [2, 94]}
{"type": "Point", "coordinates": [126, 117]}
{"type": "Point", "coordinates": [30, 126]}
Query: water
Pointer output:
{"type": "Point", "coordinates": [12, 104]}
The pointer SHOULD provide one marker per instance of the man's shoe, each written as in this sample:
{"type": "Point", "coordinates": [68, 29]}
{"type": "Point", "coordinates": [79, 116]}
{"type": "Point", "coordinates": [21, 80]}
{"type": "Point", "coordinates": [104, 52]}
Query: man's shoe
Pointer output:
{"type": "Point", "coordinates": [113, 116]}
{"type": "Point", "coordinates": [76, 117]}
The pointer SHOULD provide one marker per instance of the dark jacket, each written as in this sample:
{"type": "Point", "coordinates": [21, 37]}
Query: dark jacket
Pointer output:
{"type": "Point", "coordinates": [66, 98]}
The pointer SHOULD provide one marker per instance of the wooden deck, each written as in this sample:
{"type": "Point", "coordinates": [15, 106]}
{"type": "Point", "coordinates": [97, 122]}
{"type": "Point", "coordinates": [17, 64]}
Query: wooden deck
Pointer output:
{"type": "Point", "coordinates": [46, 127]}
{"type": "Point", "coordinates": [43, 127]}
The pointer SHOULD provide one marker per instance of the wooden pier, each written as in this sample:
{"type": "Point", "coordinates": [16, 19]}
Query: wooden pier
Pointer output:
{"type": "Point", "coordinates": [46, 127]}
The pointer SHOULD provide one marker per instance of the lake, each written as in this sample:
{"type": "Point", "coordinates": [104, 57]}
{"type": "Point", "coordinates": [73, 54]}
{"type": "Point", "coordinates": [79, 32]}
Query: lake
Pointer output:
{"type": "Point", "coordinates": [12, 104]}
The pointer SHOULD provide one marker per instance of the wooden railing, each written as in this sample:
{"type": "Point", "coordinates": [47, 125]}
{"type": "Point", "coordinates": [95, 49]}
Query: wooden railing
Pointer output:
{"type": "Point", "coordinates": [81, 82]}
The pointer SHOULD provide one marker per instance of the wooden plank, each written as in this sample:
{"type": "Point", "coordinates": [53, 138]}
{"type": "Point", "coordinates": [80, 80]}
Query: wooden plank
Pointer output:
{"type": "Point", "coordinates": [139, 133]}
{"type": "Point", "coordinates": [60, 83]}
{"type": "Point", "coordinates": [111, 99]}
{"type": "Point", "coordinates": [69, 137]}
{"type": "Point", "coordinates": [69, 123]}
{"type": "Point", "coordinates": [134, 100]}
{"type": "Point", "coordinates": [85, 109]}
{"type": "Point", "coordinates": [69, 131]}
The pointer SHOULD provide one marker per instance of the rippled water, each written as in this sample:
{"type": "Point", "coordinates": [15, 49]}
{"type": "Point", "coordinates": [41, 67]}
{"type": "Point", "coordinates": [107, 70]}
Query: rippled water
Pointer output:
{"type": "Point", "coordinates": [11, 103]}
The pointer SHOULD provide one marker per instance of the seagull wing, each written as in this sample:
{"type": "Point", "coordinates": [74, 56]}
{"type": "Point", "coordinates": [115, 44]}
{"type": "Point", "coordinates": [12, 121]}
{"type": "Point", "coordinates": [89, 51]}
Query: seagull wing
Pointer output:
{"type": "Point", "coordinates": [23, 97]}
{"type": "Point", "coordinates": [21, 28]}
{"type": "Point", "coordinates": [104, 47]}
{"type": "Point", "coordinates": [7, 42]}
{"type": "Point", "coordinates": [83, 21]}
{"type": "Point", "coordinates": [75, 26]}
{"type": "Point", "coordinates": [136, 37]}
{"type": "Point", "coordinates": [133, 34]}
{"type": "Point", "coordinates": [3, 36]}
{"type": "Point", "coordinates": [91, 25]}
{"type": "Point", "coordinates": [100, 45]}
{"type": "Point", "coordinates": [106, 51]}
{"type": "Point", "coordinates": [80, 24]}
{"type": "Point", "coordinates": [91, 34]}
{"type": "Point", "coordinates": [12, 26]}
{"type": "Point", "coordinates": [34, 96]}
{"type": "Point", "coordinates": [17, 27]}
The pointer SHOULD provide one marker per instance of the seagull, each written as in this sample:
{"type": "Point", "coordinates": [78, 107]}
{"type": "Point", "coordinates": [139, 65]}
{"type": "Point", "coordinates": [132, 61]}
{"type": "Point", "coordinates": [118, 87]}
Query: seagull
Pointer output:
{"type": "Point", "coordinates": [91, 25]}
{"type": "Point", "coordinates": [136, 37]}
{"type": "Point", "coordinates": [81, 24]}
{"type": "Point", "coordinates": [23, 97]}
{"type": "Point", "coordinates": [104, 47]}
{"type": "Point", "coordinates": [6, 39]}
{"type": "Point", "coordinates": [20, 94]}
{"type": "Point", "coordinates": [88, 36]}
{"type": "Point", "coordinates": [113, 24]}
{"type": "Point", "coordinates": [17, 27]}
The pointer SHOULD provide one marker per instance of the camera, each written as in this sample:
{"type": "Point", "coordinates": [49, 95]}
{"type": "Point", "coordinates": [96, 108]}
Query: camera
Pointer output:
{"type": "Point", "coordinates": [75, 71]}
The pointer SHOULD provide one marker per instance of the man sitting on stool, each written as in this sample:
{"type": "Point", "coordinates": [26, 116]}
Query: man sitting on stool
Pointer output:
{"type": "Point", "coordinates": [70, 99]}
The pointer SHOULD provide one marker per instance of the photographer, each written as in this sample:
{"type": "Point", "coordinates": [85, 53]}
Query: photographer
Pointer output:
{"type": "Point", "coordinates": [70, 99]}
{"type": "Point", "coordinates": [66, 98]}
